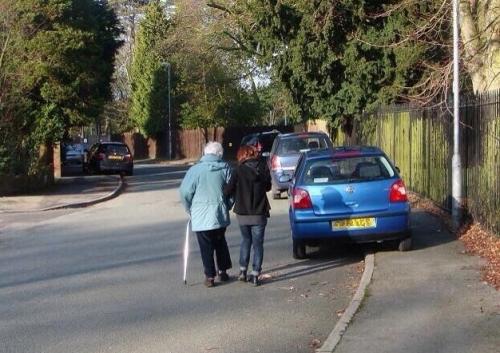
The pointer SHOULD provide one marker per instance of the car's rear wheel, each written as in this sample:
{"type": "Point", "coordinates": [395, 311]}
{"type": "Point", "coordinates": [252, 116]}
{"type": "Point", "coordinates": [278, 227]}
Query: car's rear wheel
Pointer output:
{"type": "Point", "coordinates": [299, 250]}
{"type": "Point", "coordinates": [405, 244]}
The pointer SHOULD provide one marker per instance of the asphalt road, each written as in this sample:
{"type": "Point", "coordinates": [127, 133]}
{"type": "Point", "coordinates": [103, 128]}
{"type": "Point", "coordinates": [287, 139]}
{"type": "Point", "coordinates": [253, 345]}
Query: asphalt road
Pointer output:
{"type": "Point", "coordinates": [108, 279]}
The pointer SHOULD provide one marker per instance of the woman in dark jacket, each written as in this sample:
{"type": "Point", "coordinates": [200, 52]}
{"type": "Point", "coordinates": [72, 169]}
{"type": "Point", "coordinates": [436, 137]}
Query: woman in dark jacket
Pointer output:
{"type": "Point", "coordinates": [248, 186]}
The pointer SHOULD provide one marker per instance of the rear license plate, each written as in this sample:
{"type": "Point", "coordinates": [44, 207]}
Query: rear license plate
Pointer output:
{"type": "Point", "coordinates": [354, 223]}
{"type": "Point", "coordinates": [115, 158]}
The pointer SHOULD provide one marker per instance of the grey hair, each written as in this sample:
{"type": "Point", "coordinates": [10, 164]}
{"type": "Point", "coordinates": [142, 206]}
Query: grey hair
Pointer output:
{"type": "Point", "coordinates": [213, 148]}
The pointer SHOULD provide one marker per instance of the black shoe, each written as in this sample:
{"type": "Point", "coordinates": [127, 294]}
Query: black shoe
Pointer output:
{"type": "Point", "coordinates": [254, 279]}
{"type": "Point", "coordinates": [209, 282]}
{"type": "Point", "coordinates": [243, 276]}
{"type": "Point", "coordinates": [223, 276]}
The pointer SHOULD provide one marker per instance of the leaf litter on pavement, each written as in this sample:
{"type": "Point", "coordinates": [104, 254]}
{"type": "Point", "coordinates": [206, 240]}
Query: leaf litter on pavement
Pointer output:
{"type": "Point", "coordinates": [476, 239]}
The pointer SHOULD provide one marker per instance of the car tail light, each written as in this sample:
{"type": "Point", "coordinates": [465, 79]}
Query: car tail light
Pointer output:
{"type": "Point", "coordinates": [101, 156]}
{"type": "Point", "coordinates": [301, 199]}
{"type": "Point", "coordinates": [127, 157]}
{"type": "Point", "coordinates": [398, 192]}
{"type": "Point", "coordinates": [275, 163]}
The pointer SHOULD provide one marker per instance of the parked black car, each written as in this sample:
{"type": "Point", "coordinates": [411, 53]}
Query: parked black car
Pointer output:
{"type": "Point", "coordinates": [109, 157]}
{"type": "Point", "coordinates": [263, 141]}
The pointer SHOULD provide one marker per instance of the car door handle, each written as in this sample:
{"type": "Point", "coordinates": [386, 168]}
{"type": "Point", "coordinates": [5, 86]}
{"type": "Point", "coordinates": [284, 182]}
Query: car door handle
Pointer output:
{"type": "Point", "coordinates": [352, 204]}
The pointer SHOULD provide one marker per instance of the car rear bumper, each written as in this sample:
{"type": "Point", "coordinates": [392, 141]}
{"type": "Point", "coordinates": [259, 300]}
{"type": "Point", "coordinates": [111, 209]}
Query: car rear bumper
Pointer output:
{"type": "Point", "coordinates": [388, 228]}
{"type": "Point", "coordinates": [124, 167]}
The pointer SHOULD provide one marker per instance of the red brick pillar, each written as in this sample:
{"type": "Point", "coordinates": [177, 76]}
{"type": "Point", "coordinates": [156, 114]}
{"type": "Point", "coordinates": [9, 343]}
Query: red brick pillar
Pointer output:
{"type": "Point", "coordinates": [57, 160]}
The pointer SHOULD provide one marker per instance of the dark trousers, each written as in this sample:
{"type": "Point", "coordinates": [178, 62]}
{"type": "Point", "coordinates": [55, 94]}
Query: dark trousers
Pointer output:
{"type": "Point", "coordinates": [211, 241]}
{"type": "Point", "coordinates": [252, 236]}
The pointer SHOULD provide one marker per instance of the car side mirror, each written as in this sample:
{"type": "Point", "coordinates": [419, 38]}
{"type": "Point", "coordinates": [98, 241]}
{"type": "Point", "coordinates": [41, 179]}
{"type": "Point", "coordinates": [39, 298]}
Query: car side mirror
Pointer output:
{"type": "Point", "coordinates": [397, 170]}
{"type": "Point", "coordinates": [285, 178]}
{"type": "Point", "coordinates": [265, 154]}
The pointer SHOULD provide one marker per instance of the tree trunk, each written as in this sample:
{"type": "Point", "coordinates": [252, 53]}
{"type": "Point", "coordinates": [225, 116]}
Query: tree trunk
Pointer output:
{"type": "Point", "coordinates": [480, 29]}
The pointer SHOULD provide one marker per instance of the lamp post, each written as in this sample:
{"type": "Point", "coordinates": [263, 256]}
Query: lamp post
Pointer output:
{"type": "Point", "coordinates": [169, 124]}
{"type": "Point", "coordinates": [456, 190]}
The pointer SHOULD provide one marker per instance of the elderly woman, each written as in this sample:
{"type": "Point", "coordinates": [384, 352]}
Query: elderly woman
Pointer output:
{"type": "Point", "coordinates": [202, 195]}
{"type": "Point", "coordinates": [248, 185]}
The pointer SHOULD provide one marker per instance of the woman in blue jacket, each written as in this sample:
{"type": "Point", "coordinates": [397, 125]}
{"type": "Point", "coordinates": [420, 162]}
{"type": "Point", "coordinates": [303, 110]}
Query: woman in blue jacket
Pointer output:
{"type": "Point", "coordinates": [202, 195]}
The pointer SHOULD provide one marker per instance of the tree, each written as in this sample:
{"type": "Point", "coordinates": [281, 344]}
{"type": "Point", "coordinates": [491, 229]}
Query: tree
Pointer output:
{"type": "Point", "coordinates": [208, 80]}
{"type": "Point", "coordinates": [310, 48]}
{"type": "Point", "coordinates": [480, 30]}
{"type": "Point", "coordinates": [148, 107]}
{"type": "Point", "coordinates": [420, 35]}
{"type": "Point", "coordinates": [61, 54]}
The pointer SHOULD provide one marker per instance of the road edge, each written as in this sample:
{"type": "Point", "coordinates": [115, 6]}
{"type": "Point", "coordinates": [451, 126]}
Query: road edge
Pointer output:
{"type": "Point", "coordinates": [336, 335]}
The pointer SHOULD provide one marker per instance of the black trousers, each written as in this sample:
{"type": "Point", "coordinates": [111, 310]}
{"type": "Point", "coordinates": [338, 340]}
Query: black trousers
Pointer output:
{"type": "Point", "coordinates": [211, 241]}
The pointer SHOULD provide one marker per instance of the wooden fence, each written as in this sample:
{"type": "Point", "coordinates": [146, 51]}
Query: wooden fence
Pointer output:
{"type": "Point", "coordinates": [189, 143]}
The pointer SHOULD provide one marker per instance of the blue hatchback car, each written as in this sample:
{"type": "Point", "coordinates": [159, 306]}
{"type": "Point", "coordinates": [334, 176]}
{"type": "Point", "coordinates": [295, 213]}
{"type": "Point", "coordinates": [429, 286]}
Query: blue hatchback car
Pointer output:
{"type": "Point", "coordinates": [347, 193]}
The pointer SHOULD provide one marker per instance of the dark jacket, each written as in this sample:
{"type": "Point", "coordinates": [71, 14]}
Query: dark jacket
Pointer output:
{"type": "Point", "coordinates": [248, 185]}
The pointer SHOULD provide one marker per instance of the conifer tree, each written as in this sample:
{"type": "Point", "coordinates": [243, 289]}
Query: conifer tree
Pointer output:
{"type": "Point", "coordinates": [149, 104]}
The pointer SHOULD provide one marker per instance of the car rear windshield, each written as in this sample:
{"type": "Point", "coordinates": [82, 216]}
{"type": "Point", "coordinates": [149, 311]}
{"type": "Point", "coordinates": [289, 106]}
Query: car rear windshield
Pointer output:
{"type": "Point", "coordinates": [298, 144]}
{"type": "Point", "coordinates": [350, 169]}
{"type": "Point", "coordinates": [116, 149]}
{"type": "Point", "coordinates": [265, 141]}
{"type": "Point", "coordinates": [248, 140]}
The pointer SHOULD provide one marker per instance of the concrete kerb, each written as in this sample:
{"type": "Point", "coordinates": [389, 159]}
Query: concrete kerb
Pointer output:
{"type": "Point", "coordinates": [111, 195]}
{"type": "Point", "coordinates": [336, 335]}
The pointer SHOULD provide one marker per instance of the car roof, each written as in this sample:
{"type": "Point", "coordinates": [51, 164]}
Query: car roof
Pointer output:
{"type": "Point", "coordinates": [344, 151]}
{"type": "Point", "coordinates": [302, 134]}
{"type": "Point", "coordinates": [253, 134]}
{"type": "Point", "coordinates": [112, 143]}
{"type": "Point", "coordinates": [269, 132]}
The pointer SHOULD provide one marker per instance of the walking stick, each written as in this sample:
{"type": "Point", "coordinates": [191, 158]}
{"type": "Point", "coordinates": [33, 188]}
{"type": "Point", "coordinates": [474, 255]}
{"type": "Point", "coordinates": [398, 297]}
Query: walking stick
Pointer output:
{"type": "Point", "coordinates": [186, 251]}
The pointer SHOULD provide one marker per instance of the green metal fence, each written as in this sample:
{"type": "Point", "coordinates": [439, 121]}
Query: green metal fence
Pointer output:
{"type": "Point", "coordinates": [420, 142]}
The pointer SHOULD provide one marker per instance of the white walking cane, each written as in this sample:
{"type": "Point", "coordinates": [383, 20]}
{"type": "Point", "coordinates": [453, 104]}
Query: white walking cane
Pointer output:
{"type": "Point", "coordinates": [186, 251]}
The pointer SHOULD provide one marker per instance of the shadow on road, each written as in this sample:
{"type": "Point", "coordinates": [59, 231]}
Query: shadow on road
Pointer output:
{"type": "Point", "coordinates": [323, 258]}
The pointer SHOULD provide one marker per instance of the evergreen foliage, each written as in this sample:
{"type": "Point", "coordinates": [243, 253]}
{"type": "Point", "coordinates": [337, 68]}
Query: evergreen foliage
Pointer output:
{"type": "Point", "coordinates": [149, 103]}
{"type": "Point", "coordinates": [55, 72]}
{"type": "Point", "coordinates": [312, 48]}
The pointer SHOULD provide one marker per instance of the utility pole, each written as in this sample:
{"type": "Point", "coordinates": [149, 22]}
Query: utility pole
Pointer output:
{"type": "Point", "coordinates": [456, 193]}
{"type": "Point", "coordinates": [169, 117]}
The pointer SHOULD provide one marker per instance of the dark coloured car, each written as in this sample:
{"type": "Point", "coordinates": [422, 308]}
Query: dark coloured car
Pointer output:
{"type": "Point", "coordinates": [263, 141]}
{"type": "Point", "coordinates": [109, 157]}
{"type": "Point", "coordinates": [73, 154]}
{"type": "Point", "coordinates": [348, 193]}
{"type": "Point", "coordinates": [286, 151]}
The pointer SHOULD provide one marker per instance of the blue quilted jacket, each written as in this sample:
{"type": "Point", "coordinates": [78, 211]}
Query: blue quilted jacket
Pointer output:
{"type": "Point", "coordinates": [201, 193]}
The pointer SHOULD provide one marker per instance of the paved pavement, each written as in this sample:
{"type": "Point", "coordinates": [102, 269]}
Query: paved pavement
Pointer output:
{"type": "Point", "coordinates": [75, 191]}
{"type": "Point", "coordinates": [428, 300]}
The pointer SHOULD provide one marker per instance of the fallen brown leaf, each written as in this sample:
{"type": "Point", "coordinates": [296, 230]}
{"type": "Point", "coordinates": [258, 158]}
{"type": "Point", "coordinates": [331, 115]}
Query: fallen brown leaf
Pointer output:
{"type": "Point", "coordinates": [315, 343]}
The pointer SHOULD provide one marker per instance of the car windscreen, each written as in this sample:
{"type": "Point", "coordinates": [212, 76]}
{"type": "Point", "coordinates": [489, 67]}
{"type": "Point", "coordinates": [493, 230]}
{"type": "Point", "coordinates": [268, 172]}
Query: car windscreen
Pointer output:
{"type": "Point", "coordinates": [347, 170]}
{"type": "Point", "coordinates": [116, 149]}
{"type": "Point", "coordinates": [298, 144]}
